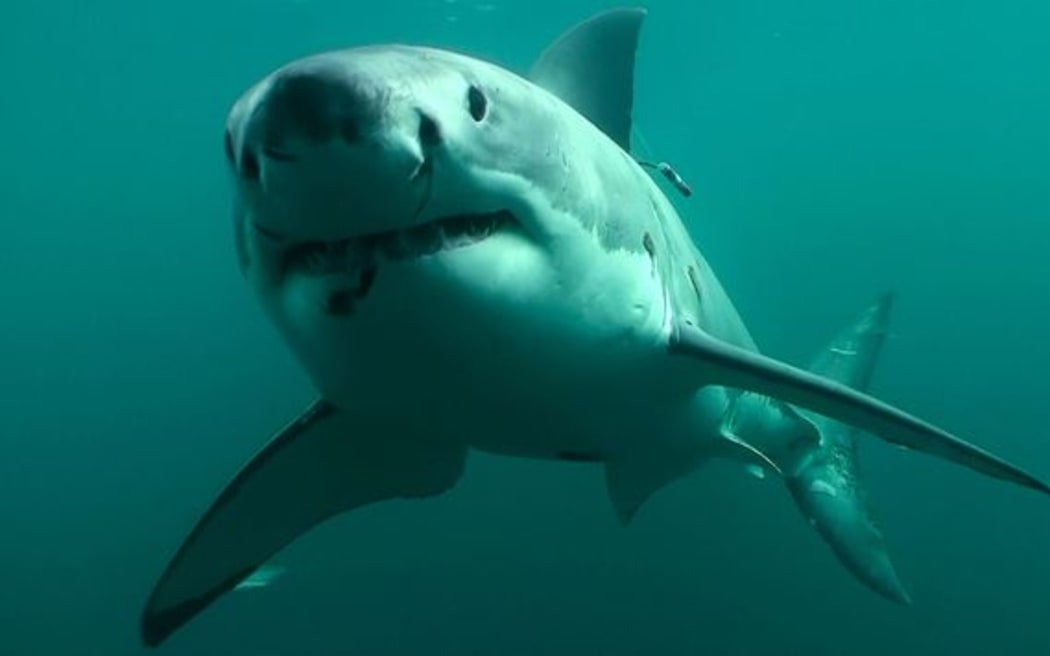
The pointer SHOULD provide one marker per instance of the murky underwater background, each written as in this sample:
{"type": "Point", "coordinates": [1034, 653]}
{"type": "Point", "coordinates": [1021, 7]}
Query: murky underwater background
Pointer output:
{"type": "Point", "coordinates": [838, 150]}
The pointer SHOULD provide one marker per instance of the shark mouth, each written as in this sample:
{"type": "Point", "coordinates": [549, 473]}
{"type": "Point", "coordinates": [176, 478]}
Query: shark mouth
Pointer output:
{"type": "Point", "coordinates": [359, 257]}
{"type": "Point", "coordinates": [353, 254]}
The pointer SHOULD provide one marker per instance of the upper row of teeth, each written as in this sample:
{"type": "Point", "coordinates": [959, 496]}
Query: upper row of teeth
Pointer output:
{"type": "Point", "coordinates": [354, 254]}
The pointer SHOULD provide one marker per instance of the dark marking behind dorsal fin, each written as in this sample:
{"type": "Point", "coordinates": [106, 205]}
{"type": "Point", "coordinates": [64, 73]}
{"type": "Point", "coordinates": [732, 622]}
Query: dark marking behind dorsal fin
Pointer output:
{"type": "Point", "coordinates": [591, 67]}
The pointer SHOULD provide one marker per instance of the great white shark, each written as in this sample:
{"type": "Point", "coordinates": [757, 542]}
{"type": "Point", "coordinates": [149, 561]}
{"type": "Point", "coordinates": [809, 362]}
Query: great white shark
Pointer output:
{"type": "Point", "coordinates": [462, 258]}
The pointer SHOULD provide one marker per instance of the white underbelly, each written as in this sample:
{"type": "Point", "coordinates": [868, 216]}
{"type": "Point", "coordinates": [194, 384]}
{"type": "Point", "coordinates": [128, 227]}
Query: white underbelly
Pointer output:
{"type": "Point", "coordinates": [528, 359]}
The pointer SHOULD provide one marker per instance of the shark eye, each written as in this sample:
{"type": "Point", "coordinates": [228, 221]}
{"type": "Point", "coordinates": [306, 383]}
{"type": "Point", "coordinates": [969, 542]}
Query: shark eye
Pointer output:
{"type": "Point", "coordinates": [477, 102]}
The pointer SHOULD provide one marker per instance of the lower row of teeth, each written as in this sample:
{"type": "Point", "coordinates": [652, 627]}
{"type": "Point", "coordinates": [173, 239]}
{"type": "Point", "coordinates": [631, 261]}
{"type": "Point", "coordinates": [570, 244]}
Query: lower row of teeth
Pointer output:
{"type": "Point", "coordinates": [356, 254]}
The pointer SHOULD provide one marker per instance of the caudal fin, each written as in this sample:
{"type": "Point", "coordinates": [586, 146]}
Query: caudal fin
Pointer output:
{"type": "Point", "coordinates": [827, 486]}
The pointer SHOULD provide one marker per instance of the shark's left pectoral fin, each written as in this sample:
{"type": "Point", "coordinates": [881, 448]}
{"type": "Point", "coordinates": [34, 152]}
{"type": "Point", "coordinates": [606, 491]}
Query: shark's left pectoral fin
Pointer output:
{"type": "Point", "coordinates": [591, 67]}
{"type": "Point", "coordinates": [721, 363]}
{"type": "Point", "coordinates": [317, 467]}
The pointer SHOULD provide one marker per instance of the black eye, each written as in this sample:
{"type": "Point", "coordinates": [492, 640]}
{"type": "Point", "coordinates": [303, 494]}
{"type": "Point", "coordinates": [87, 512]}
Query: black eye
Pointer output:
{"type": "Point", "coordinates": [228, 144]}
{"type": "Point", "coordinates": [477, 102]}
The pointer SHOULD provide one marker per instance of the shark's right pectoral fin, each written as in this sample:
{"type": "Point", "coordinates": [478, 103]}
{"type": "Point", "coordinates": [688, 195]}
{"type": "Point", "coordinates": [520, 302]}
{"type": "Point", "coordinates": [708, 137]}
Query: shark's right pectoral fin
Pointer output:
{"type": "Point", "coordinates": [315, 468]}
{"type": "Point", "coordinates": [721, 363]}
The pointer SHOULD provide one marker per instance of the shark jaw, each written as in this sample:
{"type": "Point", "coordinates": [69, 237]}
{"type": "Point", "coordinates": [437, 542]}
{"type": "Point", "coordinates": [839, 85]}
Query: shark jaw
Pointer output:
{"type": "Point", "coordinates": [353, 254]}
{"type": "Point", "coordinates": [356, 260]}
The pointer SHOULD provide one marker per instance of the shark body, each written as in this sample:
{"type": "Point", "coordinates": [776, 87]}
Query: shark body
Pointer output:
{"type": "Point", "coordinates": [463, 258]}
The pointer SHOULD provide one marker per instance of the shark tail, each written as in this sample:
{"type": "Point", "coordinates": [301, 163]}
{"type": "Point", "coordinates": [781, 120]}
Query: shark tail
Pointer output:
{"type": "Point", "coordinates": [827, 485]}
{"type": "Point", "coordinates": [832, 497]}
{"type": "Point", "coordinates": [818, 456]}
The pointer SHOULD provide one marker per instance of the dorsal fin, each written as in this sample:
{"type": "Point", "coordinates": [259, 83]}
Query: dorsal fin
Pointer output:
{"type": "Point", "coordinates": [591, 67]}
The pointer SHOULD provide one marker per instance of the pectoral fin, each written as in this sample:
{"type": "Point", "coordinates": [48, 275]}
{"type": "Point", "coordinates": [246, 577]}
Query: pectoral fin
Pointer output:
{"type": "Point", "coordinates": [720, 363]}
{"type": "Point", "coordinates": [315, 468]}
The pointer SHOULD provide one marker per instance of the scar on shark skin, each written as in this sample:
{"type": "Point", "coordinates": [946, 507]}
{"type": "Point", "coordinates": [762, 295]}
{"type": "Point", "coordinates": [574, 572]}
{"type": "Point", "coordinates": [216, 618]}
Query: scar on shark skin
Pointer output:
{"type": "Point", "coordinates": [695, 280]}
{"type": "Point", "coordinates": [650, 248]}
{"type": "Point", "coordinates": [341, 302]}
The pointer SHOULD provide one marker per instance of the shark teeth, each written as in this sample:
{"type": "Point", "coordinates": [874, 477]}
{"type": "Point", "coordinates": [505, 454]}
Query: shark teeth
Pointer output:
{"type": "Point", "coordinates": [352, 255]}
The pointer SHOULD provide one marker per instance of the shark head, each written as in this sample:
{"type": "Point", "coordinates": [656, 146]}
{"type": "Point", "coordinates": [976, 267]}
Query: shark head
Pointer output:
{"type": "Point", "coordinates": [392, 153]}
{"type": "Point", "coordinates": [403, 151]}
{"type": "Point", "coordinates": [386, 186]}
{"type": "Point", "coordinates": [373, 141]}
{"type": "Point", "coordinates": [349, 162]}
{"type": "Point", "coordinates": [384, 138]}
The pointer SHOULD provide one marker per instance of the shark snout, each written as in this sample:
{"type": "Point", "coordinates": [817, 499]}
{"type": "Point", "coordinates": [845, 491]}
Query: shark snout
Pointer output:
{"type": "Point", "coordinates": [317, 102]}
{"type": "Point", "coordinates": [324, 103]}
{"type": "Point", "coordinates": [304, 106]}
{"type": "Point", "coordinates": [327, 147]}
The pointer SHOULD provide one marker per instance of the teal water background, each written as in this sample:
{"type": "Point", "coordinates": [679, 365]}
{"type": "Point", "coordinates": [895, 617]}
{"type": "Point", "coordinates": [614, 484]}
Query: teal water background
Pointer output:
{"type": "Point", "coordinates": [837, 149]}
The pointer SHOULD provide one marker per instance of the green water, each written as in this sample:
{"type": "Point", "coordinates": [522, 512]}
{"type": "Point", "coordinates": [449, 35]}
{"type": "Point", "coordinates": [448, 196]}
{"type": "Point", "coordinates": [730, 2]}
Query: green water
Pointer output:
{"type": "Point", "coordinates": [837, 149]}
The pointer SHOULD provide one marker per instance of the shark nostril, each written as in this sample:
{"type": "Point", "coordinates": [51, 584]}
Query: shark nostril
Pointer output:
{"type": "Point", "coordinates": [429, 133]}
{"type": "Point", "coordinates": [250, 166]}
{"type": "Point", "coordinates": [321, 100]}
